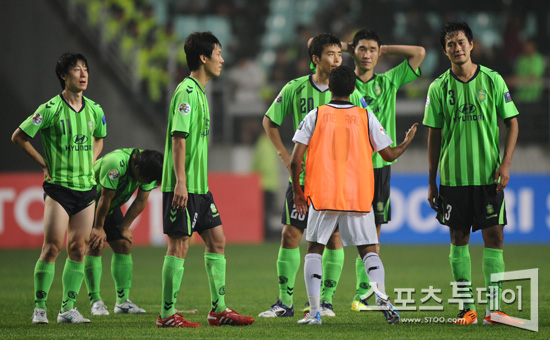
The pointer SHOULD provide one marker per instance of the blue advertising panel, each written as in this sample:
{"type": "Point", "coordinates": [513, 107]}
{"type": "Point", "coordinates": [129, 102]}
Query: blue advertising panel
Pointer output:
{"type": "Point", "coordinates": [527, 199]}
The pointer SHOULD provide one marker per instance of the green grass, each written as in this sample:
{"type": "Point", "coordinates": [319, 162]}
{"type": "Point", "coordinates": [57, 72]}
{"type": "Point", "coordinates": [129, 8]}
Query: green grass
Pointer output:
{"type": "Point", "coordinates": [251, 288]}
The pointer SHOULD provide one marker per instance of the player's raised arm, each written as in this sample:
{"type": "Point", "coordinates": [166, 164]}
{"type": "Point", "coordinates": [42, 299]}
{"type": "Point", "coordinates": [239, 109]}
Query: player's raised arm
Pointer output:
{"type": "Point", "coordinates": [415, 54]}
{"type": "Point", "coordinates": [390, 154]}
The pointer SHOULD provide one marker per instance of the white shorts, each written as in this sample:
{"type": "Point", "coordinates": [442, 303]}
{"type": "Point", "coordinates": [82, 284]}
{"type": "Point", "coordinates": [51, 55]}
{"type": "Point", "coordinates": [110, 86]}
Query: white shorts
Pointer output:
{"type": "Point", "coordinates": [356, 229]}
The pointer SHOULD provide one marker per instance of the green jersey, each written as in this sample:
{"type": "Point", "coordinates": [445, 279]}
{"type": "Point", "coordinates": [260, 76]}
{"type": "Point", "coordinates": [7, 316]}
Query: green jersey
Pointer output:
{"type": "Point", "coordinates": [298, 97]}
{"type": "Point", "coordinates": [379, 95]}
{"type": "Point", "coordinates": [68, 140]}
{"type": "Point", "coordinates": [189, 114]}
{"type": "Point", "coordinates": [112, 171]}
{"type": "Point", "coordinates": [467, 113]}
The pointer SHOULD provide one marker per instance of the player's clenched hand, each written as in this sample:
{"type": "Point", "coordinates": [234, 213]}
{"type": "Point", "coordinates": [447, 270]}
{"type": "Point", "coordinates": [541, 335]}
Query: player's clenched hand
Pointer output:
{"type": "Point", "coordinates": [46, 172]}
{"type": "Point", "coordinates": [300, 203]}
{"type": "Point", "coordinates": [97, 238]}
{"type": "Point", "coordinates": [411, 132]}
{"type": "Point", "coordinates": [503, 173]}
{"type": "Point", "coordinates": [432, 196]}
{"type": "Point", "coordinates": [180, 196]}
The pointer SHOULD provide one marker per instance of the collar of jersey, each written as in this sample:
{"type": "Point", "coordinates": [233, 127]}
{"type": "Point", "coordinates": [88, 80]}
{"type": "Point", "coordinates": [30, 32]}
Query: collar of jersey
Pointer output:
{"type": "Point", "coordinates": [198, 84]}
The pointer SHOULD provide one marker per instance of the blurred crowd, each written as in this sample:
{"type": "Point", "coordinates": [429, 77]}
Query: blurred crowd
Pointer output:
{"type": "Point", "coordinates": [508, 36]}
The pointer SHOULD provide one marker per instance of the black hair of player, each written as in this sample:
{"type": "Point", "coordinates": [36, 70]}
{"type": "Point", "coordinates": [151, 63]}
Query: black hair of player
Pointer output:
{"type": "Point", "coordinates": [366, 34]}
{"type": "Point", "coordinates": [197, 44]}
{"type": "Point", "coordinates": [341, 81]}
{"type": "Point", "coordinates": [320, 42]}
{"type": "Point", "coordinates": [148, 164]}
{"type": "Point", "coordinates": [452, 28]}
{"type": "Point", "coordinates": [65, 62]}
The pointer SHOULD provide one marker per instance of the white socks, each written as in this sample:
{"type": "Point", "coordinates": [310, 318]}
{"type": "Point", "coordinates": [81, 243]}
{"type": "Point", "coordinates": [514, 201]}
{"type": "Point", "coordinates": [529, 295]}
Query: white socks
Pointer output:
{"type": "Point", "coordinates": [313, 276]}
{"type": "Point", "coordinates": [375, 272]}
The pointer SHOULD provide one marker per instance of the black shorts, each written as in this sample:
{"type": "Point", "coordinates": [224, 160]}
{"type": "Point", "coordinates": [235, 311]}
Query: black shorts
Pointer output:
{"type": "Point", "coordinates": [381, 200]}
{"type": "Point", "coordinates": [200, 214]}
{"type": "Point", "coordinates": [112, 225]}
{"type": "Point", "coordinates": [73, 201]}
{"type": "Point", "coordinates": [290, 214]}
{"type": "Point", "coordinates": [478, 207]}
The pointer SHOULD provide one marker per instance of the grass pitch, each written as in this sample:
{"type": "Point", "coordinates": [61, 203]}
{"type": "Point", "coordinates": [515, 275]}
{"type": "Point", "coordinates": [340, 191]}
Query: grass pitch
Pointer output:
{"type": "Point", "coordinates": [251, 287]}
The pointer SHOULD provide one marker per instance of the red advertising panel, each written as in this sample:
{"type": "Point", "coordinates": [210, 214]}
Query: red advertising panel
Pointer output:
{"type": "Point", "coordinates": [238, 198]}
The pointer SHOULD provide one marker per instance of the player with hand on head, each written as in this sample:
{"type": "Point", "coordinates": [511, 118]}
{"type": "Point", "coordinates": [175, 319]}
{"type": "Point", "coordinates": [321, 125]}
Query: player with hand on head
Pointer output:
{"type": "Point", "coordinates": [118, 175]}
{"type": "Point", "coordinates": [188, 204]}
{"type": "Point", "coordinates": [72, 129]}
{"type": "Point", "coordinates": [379, 93]}
{"type": "Point", "coordinates": [297, 98]}
{"type": "Point", "coordinates": [462, 111]}
{"type": "Point", "coordinates": [340, 139]}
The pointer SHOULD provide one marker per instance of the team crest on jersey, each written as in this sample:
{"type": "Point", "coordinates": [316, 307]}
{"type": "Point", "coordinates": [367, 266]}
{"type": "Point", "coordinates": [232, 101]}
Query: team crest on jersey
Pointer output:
{"type": "Point", "coordinates": [114, 174]}
{"type": "Point", "coordinates": [37, 118]}
{"type": "Point", "coordinates": [279, 99]}
{"type": "Point", "coordinates": [91, 126]}
{"type": "Point", "coordinates": [184, 108]}
{"type": "Point", "coordinates": [382, 131]}
{"type": "Point", "coordinates": [427, 101]}
{"type": "Point", "coordinates": [481, 95]}
{"type": "Point", "coordinates": [377, 89]}
{"type": "Point", "coordinates": [507, 97]}
{"type": "Point", "coordinates": [380, 206]}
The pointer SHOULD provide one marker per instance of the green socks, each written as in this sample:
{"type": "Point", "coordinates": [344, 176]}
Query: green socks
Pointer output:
{"type": "Point", "coordinates": [172, 273]}
{"type": "Point", "coordinates": [43, 277]}
{"type": "Point", "coordinates": [461, 267]}
{"type": "Point", "coordinates": [215, 270]}
{"type": "Point", "coordinates": [93, 270]}
{"type": "Point", "coordinates": [493, 262]}
{"type": "Point", "coordinates": [121, 268]}
{"type": "Point", "coordinates": [363, 282]}
{"type": "Point", "coordinates": [73, 274]}
{"type": "Point", "coordinates": [333, 261]}
{"type": "Point", "coordinates": [288, 264]}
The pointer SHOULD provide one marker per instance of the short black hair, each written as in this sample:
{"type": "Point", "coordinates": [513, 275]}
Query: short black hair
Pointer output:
{"type": "Point", "coordinates": [454, 27]}
{"type": "Point", "coordinates": [341, 81]}
{"type": "Point", "coordinates": [319, 43]}
{"type": "Point", "coordinates": [65, 62]}
{"type": "Point", "coordinates": [197, 44]}
{"type": "Point", "coordinates": [366, 34]}
{"type": "Point", "coordinates": [149, 165]}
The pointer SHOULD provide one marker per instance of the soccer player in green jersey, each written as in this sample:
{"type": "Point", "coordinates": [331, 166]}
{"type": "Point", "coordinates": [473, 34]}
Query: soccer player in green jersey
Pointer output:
{"type": "Point", "coordinates": [379, 91]}
{"type": "Point", "coordinates": [187, 202]}
{"type": "Point", "coordinates": [72, 129]}
{"type": "Point", "coordinates": [462, 111]}
{"type": "Point", "coordinates": [297, 98]}
{"type": "Point", "coordinates": [118, 175]}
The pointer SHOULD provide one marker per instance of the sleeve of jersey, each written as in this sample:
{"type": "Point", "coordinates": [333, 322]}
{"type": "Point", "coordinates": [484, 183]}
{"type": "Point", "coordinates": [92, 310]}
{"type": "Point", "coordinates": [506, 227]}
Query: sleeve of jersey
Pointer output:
{"type": "Point", "coordinates": [433, 113]}
{"type": "Point", "coordinates": [505, 105]}
{"type": "Point", "coordinates": [280, 107]}
{"type": "Point", "coordinates": [100, 130]}
{"type": "Point", "coordinates": [185, 108]}
{"type": "Point", "coordinates": [148, 186]}
{"type": "Point", "coordinates": [39, 120]}
{"type": "Point", "coordinates": [110, 172]}
{"type": "Point", "coordinates": [402, 74]}
{"type": "Point", "coordinates": [378, 136]}
{"type": "Point", "coordinates": [305, 131]}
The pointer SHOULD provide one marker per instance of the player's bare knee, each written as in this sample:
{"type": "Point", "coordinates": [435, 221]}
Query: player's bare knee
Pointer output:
{"type": "Point", "coordinates": [50, 251]}
{"type": "Point", "coordinates": [291, 237]}
{"type": "Point", "coordinates": [76, 250]}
